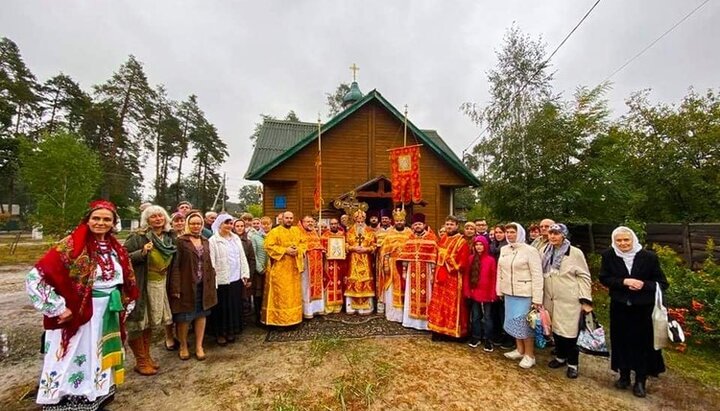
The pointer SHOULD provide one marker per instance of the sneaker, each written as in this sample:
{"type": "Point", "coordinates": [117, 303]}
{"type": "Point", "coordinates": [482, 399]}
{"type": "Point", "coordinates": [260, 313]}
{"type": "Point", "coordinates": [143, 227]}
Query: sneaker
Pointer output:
{"type": "Point", "coordinates": [488, 346]}
{"type": "Point", "coordinates": [527, 362]}
{"type": "Point", "coordinates": [514, 355]}
{"type": "Point", "coordinates": [572, 372]}
{"type": "Point", "coordinates": [474, 343]}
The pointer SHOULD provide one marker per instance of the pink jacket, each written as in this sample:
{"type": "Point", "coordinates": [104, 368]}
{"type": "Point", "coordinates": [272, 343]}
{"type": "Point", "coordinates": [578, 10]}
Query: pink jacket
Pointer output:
{"type": "Point", "coordinates": [484, 290]}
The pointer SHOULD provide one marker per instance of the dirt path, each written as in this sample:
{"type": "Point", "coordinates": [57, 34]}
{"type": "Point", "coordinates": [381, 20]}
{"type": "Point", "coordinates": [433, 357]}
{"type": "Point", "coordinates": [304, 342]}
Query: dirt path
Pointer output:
{"type": "Point", "coordinates": [402, 373]}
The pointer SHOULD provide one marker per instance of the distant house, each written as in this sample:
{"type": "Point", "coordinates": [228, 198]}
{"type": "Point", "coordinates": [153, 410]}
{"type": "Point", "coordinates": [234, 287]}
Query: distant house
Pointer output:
{"type": "Point", "coordinates": [354, 158]}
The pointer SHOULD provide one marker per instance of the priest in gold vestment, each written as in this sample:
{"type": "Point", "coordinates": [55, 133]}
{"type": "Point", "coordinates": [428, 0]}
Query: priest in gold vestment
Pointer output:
{"type": "Point", "coordinates": [285, 246]}
{"type": "Point", "coordinates": [360, 289]}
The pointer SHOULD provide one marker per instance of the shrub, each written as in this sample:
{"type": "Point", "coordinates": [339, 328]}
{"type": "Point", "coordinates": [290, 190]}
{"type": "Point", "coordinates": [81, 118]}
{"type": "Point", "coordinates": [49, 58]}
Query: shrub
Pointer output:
{"type": "Point", "coordinates": [693, 298]}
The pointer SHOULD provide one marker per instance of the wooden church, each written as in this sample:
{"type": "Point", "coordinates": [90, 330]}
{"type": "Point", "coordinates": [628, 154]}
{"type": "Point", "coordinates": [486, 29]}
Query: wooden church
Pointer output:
{"type": "Point", "coordinates": [355, 161]}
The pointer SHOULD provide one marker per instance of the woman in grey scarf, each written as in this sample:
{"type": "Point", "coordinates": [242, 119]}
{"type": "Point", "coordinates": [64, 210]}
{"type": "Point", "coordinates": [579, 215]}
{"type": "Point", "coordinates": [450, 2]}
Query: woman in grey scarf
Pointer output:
{"type": "Point", "coordinates": [567, 292]}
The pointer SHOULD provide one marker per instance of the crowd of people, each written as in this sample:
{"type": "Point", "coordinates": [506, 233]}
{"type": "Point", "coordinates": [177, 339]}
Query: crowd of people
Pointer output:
{"type": "Point", "coordinates": [204, 272]}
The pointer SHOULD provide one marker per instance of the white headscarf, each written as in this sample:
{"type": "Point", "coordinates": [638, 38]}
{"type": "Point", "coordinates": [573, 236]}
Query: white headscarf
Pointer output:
{"type": "Point", "coordinates": [628, 257]}
{"type": "Point", "coordinates": [520, 235]}
{"type": "Point", "coordinates": [219, 220]}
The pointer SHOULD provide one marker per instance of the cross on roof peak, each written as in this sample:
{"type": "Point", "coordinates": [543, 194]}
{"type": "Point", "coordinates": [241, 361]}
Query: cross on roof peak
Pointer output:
{"type": "Point", "coordinates": [354, 68]}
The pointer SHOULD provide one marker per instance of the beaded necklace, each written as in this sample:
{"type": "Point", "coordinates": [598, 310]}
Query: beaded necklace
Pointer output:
{"type": "Point", "coordinates": [103, 257]}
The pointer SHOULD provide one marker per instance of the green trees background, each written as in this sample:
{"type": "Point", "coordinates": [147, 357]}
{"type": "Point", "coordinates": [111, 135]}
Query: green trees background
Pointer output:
{"type": "Point", "coordinates": [542, 154]}
{"type": "Point", "coordinates": [125, 123]}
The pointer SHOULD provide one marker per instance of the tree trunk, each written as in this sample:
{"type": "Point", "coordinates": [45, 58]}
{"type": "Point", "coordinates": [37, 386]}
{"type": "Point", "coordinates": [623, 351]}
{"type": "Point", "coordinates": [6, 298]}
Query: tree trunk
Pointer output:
{"type": "Point", "coordinates": [19, 116]}
{"type": "Point", "coordinates": [157, 159]}
{"type": "Point", "coordinates": [51, 126]}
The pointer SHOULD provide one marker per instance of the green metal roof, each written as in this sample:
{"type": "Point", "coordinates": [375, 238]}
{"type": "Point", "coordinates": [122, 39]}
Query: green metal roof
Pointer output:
{"type": "Point", "coordinates": [279, 140]}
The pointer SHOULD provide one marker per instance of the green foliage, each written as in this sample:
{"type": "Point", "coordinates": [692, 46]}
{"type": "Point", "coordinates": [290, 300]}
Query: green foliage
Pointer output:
{"type": "Point", "coordinates": [248, 195]}
{"type": "Point", "coordinates": [335, 100]}
{"type": "Point", "coordinates": [124, 121]}
{"type": "Point", "coordinates": [543, 155]}
{"type": "Point", "coordinates": [255, 209]}
{"type": "Point", "coordinates": [61, 174]}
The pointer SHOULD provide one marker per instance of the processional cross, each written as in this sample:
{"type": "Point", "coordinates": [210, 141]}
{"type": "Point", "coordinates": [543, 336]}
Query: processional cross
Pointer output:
{"type": "Point", "coordinates": [350, 205]}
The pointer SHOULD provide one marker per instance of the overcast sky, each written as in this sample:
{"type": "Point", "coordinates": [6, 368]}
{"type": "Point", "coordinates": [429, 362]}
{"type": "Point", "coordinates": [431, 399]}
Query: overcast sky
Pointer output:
{"type": "Point", "coordinates": [243, 58]}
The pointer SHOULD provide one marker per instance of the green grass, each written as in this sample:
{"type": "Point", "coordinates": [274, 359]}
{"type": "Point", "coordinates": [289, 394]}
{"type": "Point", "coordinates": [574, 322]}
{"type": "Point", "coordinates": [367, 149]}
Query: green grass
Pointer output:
{"type": "Point", "coordinates": [24, 254]}
{"type": "Point", "coordinates": [320, 346]}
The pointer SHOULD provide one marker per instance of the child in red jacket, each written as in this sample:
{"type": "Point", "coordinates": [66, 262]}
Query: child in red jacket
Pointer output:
{"type": "Point", "coordinates": [479, 291]}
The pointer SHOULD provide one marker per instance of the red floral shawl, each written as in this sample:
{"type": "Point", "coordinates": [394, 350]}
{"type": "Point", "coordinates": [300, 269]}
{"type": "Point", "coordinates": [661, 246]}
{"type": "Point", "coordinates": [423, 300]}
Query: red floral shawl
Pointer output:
{"type": "Point", "coordinates": [69, 267]}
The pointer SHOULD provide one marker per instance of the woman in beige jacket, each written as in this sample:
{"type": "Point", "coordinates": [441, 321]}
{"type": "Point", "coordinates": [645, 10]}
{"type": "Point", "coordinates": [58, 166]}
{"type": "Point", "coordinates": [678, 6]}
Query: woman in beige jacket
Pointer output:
{"type": "Point", "coordinates": [567, 292]}
{"type": "Point", "coordinates": [520, 284]}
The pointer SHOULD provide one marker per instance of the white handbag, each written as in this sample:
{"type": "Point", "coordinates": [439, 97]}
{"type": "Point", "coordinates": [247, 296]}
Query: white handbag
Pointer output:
{"type": "Point", "coordinates": [659, 320]}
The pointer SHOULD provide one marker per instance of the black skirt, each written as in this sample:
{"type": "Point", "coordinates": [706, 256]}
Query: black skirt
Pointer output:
{"type": "Point", "coordinates": [226, 317]}
{"type": "Point", "coordinates": [631, 340]}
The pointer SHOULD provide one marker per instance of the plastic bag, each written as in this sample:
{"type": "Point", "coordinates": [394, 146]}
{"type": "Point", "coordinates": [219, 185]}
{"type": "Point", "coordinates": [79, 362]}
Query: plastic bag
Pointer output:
{"type": "Point", "coordinates": [659, 320]}
{"type": "Point", "coordinates": [591, 338]}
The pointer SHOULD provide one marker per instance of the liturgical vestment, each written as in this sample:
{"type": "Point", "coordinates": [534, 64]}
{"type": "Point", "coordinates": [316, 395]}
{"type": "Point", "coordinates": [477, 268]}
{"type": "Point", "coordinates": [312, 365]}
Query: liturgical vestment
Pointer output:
{"type": "Point", "coordinates": [448, 312]}
{"type": "Point", "coordinates": [282, 304]}
{"type": "Point", "coordinates": [360, 282]}
{"type": "Point", "coordinates": [417, 259]}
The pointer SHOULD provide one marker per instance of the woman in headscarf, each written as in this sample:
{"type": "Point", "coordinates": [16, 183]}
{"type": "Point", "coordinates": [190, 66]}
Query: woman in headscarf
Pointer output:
{"type": "Point", "coordinates": [479, 290]}
{"type": "Point", "coordinates": [520, 283]}
{"type": "Point", "coordinates": [192, 285]}
{"type": "Point", "coordinates": [83, 286]}
{"type": "Point", "coordinates": [632, 275]}
{"type": "Point", "coordinates": [232, 273]}
{"type": "Point", "coordinates": [152, 249]}
{"type": "Point", "coordinates": [568, 291]}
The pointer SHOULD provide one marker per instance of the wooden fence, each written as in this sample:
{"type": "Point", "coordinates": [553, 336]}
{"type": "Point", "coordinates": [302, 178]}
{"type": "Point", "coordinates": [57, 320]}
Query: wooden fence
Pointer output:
{"type": "Point", "coordinates": [688, 240]}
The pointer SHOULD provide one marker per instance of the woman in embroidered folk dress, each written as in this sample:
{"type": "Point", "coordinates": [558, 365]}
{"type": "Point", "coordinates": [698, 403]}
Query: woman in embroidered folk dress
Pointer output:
{"type": "Point", "coordinates": [191, 285]}
{"type": "Point", "coordinates": [232, 273]}
{"type": "Point", "coordinates": [83, 286]}
{"type": "Point", "coordinates": [520, 283]}
{"type": "Point", "coordinates": [632, 275]}
{"type": "Point", "coordinates": [152, 249]}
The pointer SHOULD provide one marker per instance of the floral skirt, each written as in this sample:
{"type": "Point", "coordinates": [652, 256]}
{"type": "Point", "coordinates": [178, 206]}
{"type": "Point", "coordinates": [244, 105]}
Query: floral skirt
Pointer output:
{"type": "Point", "coordinates": [77, 380]}
{"type": "Point", "coordinates": [516, 311]}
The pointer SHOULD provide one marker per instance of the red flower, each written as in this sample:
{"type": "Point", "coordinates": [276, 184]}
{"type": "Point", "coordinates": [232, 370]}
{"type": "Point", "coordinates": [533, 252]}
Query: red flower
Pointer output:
{"type": "Point", "coordinates": [697, 305]}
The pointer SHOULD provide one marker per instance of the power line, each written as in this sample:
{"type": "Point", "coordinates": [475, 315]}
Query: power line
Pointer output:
{"type": "Point", "coordinates": [652, 43]}
{"type": "Point", "coordinates": [539, 69]}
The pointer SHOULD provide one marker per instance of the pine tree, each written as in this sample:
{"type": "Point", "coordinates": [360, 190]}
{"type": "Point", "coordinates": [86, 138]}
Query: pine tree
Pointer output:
{"type": "Point", "coordinates": [66, 104]}
{"type": "Point", "coordinates": [130, 95]}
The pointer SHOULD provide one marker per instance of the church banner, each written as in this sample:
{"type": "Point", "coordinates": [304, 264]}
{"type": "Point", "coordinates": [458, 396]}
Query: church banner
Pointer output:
{"type": "Point", "coordinates": [405, 174]}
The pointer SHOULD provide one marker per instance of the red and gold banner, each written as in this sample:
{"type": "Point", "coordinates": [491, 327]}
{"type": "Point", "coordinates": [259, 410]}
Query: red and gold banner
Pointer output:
{"type": "Point", "coordinates": [405, 174]}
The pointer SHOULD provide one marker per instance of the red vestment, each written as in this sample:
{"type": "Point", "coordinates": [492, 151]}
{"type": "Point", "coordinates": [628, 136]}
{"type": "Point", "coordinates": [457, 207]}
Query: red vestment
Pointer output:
{"type": "Point", "coordinates": [448, 313]}
{"type": "Point", "coordinates": [314, 256]}
{"type": "Point", "coordinates": [419, 254]}
{"type": "Point", "coordinates": [335, 273]}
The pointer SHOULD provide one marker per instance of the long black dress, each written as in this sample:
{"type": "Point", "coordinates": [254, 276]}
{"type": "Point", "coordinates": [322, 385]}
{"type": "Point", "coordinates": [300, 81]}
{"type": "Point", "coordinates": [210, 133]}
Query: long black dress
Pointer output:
{"type": "Point", "coordinates": [631, 329]}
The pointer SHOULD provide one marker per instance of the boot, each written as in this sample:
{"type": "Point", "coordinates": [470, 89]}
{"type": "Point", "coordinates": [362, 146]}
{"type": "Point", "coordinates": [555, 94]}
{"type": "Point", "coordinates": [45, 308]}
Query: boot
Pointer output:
{"type": "Point", "coordinates": [141, 364]}
{"type": "Point", "coordinates": [639, 388]}
{"type": "Point", "coordinates": [624, 381]}
{"type": "Point", "coordinates": [147, 340]}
